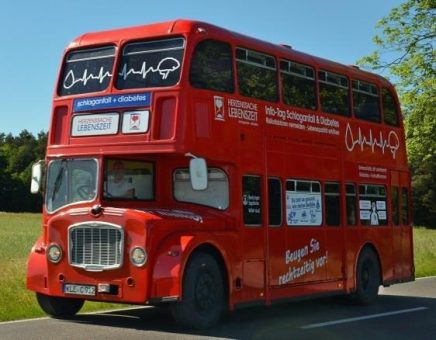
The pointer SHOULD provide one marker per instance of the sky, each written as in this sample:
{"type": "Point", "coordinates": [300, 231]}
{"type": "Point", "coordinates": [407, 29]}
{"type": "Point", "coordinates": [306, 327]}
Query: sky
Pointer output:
{"type": "Point", "coordinates": [34, 34]}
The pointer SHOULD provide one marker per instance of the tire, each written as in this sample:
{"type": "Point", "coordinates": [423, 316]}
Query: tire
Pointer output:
{"type": "Point", "coordinates": [367, 278]}
{"type": "Point", "coordinates": [58, 306]}
{"type": "Point", "coordinates": [202, 294]}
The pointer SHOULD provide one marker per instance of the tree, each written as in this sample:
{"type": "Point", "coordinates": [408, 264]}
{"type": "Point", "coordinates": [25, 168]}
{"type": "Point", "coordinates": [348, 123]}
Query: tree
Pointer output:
{"type": "Point", "coordinates": [17, 154]}
{"type": "Point", "coordinates": [406, 51]}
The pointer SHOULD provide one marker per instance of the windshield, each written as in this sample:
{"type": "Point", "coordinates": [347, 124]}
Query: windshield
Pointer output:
{"type": "Point", "coordinates": [154, 63]}
{"type": "Point", "coordinates": [70, 181]}
{"type": "Point", "coordinates": [127, 179]}
{"type": "Point", "coordinates": [87, 71]}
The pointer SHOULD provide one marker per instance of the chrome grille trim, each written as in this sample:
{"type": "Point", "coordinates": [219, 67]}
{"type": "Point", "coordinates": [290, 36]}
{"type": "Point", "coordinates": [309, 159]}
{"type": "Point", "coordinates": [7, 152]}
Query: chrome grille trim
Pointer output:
{"type": "Point", "coordinates": [95, 246]}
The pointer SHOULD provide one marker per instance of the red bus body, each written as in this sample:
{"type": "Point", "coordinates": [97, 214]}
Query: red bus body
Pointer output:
{"type": "Point", "coordinates": [295, 176]}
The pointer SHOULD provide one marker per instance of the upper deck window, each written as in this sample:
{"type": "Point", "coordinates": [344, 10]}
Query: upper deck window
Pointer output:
{"type": "Point", "coordinates": [87, 71]}
{"type": "Point", "coordinates": [366, 101]}
{"type": "Point", "coordinates": [298, 83]}
{"type": "Point", "coordinates": [257, 75]}
{"type": "Point", "coordinates": [390, 111]}
{"type": "Point", "coordinates": [211, 66]}
{"type": "Point", "coordinates": [155, 63]}
{"type": "Point", "coordinates": [333, 92]}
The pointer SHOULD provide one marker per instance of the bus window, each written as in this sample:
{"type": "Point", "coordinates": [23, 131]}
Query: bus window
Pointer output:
{"type": "Point", "coordinates": [212, 67]}
{"type": "Point", "coordinates": [333, 92]}
{"type": "Point", "coordinates": [366, 101]}
{"type": "Point", "coordinates": [332, 201]}
{"type": "Point", "coordinates": [128, 179]}
{"type": "Point", "coordinates": [395, 201]}
{"type": "Point", "coordinates": [251, 202]}
{"type": "Point", "coordinates": [298, 83]}
{"type": "Point", "coordinates": [303, 203]}
{"type": "Point", "coordinates": [372, 204]}
{"type": "Point", "coordinates": [86, 71]}
{"type": "Point", "coordinates": [216, 195]}
{"type": "Point", "coordinates": [390, 112]}
{"type": "Point", "coordinates": [351, 203]}
{"type": "Point", "coordinates": [274, 202]}
{"type": "Point", "coordinates": [405, 206]}
{"type": "Point", "coordinates": [154, 63]}
{"type": "Point", "coordinates": [257, 75]}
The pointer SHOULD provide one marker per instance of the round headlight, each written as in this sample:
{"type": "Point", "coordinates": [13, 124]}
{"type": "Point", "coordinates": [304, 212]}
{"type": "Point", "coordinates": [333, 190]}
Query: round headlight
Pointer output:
{"type": "Point", "coordinates": [138, 256]}
{"type": "Point", "coordinates": [54, 253]}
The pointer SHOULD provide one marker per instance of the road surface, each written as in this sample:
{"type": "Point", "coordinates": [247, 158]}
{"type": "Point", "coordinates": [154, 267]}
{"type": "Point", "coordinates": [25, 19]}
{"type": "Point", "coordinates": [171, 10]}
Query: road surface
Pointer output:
{"type": "Point", "coordinates": [406, 311]}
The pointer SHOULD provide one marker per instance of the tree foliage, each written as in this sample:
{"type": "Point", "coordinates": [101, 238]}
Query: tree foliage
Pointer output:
{"type": "Point", "coordinates": [406, 50]}
{"type": "Point", "coordinates": [17, 154]}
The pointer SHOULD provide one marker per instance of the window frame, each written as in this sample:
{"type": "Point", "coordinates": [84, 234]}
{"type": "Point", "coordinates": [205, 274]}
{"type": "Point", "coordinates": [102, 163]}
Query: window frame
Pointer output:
{"type": "Point", "coordinates": [289, 72]}
{"type": "Point", "coordinates": [260, 224]}
{"type": "Point", "coordinates": [232, 65]}
{"type": "Point", "coordinates": [361, 83]}
{"type": "Point", "coordinates": [278, 179]}
{"type": "Point", "coordinates": [320, 81]}
{"type": "Point", "coordinates": [255, 53]}
{"type": "Point", "coordinates": [208, 173]}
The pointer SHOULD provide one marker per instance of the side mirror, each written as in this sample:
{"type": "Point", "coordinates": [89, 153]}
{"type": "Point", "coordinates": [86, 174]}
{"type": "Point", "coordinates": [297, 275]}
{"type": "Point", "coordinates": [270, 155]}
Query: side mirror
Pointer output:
{"type": "Point", "coordinates": [198, 173]}
{"type": "Point", "coordinates": [36, 182]}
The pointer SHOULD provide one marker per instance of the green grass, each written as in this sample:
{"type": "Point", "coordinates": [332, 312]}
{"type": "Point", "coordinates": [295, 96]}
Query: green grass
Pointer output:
{"type": "Point", "coordinates": [424, 241]}
{"type": "Point", "coordinates": [18, 232]}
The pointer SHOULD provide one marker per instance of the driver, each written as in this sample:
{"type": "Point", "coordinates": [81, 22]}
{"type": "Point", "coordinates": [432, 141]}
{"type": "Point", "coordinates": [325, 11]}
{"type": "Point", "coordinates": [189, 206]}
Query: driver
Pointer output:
{"type": "Point", "coordinates": [118, 184]}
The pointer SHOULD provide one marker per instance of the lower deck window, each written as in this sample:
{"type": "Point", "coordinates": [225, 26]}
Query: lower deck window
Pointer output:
{"type": "Point", "coordinates": [303, 203]}
{"type": "Point", "coordinates": [372, 204]}
{"type": "Point", "coordinates": [216, 195]}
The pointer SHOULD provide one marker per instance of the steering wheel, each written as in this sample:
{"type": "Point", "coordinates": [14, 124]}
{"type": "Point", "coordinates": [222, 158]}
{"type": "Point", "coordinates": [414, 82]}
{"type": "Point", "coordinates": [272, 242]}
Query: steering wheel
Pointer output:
{"type": "Point", "coordinates": [85, 191]}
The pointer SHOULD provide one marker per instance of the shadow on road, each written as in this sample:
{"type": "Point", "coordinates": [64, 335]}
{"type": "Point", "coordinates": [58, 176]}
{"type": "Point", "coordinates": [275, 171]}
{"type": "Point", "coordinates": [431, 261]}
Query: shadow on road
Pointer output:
{"type": "Point", "coordinates": [279, 321]}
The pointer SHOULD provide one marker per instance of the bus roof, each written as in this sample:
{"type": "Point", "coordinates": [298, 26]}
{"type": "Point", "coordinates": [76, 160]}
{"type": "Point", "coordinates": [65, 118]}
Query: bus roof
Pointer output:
{"type": "Point", "coordinates": [183, 27]}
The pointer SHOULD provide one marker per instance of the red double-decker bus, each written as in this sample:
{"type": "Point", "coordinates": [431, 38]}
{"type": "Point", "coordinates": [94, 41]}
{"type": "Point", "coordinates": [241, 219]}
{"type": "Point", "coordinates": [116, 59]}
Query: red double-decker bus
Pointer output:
{"type": "Point", "coordinates": [193, 166]}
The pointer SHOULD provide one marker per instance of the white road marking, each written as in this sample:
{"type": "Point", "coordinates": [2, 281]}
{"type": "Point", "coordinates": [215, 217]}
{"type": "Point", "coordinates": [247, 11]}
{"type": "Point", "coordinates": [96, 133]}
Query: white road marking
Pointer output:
{"type": "Point", "coordinates": [373, 316]}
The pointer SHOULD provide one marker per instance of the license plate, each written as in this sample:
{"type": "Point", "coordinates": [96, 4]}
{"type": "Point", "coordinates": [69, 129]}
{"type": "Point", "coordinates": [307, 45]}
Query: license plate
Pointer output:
{"type": "Point", "coordinates": [79, 289]}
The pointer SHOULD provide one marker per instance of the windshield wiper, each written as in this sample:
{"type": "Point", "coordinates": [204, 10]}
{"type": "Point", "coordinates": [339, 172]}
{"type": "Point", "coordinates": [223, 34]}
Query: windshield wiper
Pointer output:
{"type": "Point", "coordinates": [58, 180]}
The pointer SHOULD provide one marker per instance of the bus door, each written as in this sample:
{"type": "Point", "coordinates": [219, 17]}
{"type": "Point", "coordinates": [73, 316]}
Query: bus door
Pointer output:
{"type": "Point", "coordinates": [253, 243]}
{"type": "Point", "coordinates": [402, 230]}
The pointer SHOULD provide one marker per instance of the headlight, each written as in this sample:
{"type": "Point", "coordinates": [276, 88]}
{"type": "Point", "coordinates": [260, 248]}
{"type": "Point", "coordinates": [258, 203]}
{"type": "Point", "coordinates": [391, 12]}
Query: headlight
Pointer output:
{"type": "Point", "coordinates": [138, 256]}
{"type": "Point", "coordinates": [54, 253]}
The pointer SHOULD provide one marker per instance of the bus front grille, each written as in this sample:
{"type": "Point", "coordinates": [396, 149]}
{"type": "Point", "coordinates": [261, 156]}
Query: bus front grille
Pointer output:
{"type": "Point", "coordinates": [96, 246]}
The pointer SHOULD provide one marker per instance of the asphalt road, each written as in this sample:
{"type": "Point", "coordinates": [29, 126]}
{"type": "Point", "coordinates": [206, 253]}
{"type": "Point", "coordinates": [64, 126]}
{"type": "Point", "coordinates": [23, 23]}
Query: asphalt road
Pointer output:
{"type": "Point", "coordinates": [406, 311]}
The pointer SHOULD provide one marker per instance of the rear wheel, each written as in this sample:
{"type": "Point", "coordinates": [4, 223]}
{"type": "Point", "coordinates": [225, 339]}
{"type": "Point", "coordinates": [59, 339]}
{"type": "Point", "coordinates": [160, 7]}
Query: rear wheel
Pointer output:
{"type": "Point", "coordinates": [202, 294]}
{"type": "Point", "coordinates": [58, 306]}
{"type": "Point", "coordinates": [367, 277]}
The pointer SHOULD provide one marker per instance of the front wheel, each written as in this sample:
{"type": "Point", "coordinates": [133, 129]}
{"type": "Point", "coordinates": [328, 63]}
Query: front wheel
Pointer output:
{"type": "Point", "coordinates": [367, 277]}
{"type": "Point", "coordinates": [202, 294]}
{"type": "Point", "coordinates": [58, 306]}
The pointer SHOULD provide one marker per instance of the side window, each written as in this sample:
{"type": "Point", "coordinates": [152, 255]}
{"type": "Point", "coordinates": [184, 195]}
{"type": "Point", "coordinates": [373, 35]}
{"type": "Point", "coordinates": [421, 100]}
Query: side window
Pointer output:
{"type": "Point", "coordinates": [366, 104]}
{"type": "Point", "coordinates": [298, 83]}
{"type": "Point", "coordinates": [212, 67]}
{"type": "Point", "coordinates": [395, 202]}
{"type": "Point", "coordinates": [303, 203]}
{"type": "Point", "coordinates": [251, 202]}
{"type": "Point", "coordinates": [333, 93]}
{"type": "Point", "coordinates": [372, 204]}
{"type": "Point", "coordinates": [257, 75]}
{"type": "Point", "coordinates": [351, 203]}
{"type": "Point", "coordinates": [405, 206]}
{"type": "Point", "coordinates": [274, 202]}
{"type": "Point", "coordinates": [216, 195]}
{"type": "Point", "coordinates": [332, 201]}
{"type": "Point", "coordinates": [390, 112]}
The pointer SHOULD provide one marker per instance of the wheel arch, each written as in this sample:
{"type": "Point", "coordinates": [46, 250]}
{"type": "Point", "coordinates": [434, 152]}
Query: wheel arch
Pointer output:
{"type": "Point", "coordinates": [373, 248]}
{"type": "Point", "coordinates": [212, 250]}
